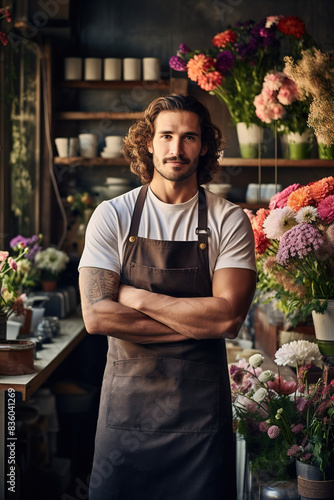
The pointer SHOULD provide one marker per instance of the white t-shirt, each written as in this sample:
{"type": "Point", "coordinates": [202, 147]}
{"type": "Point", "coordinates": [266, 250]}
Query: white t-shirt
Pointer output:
{"type": "Point", "coordinates": [231, 242]}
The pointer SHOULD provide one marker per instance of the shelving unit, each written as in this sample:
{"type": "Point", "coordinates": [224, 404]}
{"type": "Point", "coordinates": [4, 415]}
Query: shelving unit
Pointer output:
{"type": "Point", "coordinates": [225, 162]}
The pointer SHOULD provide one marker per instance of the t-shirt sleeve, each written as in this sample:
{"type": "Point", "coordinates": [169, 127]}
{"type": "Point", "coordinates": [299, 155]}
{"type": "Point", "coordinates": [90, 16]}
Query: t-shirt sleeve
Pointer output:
{"type": "Point", "coordinates": [101, 240]}
{"type": "Point", "coordinates": [237, 242]}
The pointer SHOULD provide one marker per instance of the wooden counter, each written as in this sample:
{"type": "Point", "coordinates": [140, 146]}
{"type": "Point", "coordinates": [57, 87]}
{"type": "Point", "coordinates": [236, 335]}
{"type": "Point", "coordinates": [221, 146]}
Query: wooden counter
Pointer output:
{"type": "Point", "coordinates": [72, 331]}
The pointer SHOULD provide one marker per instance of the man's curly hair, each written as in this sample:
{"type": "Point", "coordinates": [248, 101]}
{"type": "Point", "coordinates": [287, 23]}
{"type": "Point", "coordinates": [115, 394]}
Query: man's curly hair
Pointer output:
{"type": "Point", "coordinates": [142, 132]}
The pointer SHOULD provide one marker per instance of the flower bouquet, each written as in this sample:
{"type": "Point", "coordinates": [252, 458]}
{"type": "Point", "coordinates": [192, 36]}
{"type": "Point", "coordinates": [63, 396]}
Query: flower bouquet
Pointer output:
{"type": "Point", "coordinates": [283, 420]}
{"type": "Point", "coordinates": [294, 245]}
{"type": "Point", "coordinates": [279, 104]}
{"type": "Point", "coordinates": [51, 262]}
{"type": "Point", "coordinates": [234, 67]}
{"type": "Point", "coordinates": [10, 299]}
{"type": "Point", "coordinates": [27, 275]}
{"type": "Point", "coordinates": [313, 73]}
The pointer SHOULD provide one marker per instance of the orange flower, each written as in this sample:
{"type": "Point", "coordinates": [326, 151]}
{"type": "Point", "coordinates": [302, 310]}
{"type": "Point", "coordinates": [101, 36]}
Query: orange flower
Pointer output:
{"type": "Point", "coordinates": [210, 81]}
{"type": "Point", "coordinates": [198, 65]}
{"type": "Point", "coordinates": [222, 39]}
{"type": "Point", "coordinates": [293, 26]}
{"type": "Point", "coordinates": [261, 215]}
{"type": "Point", "coordinates": [300, 198]}
{"type": "Point", "coordinates": [321, 189]}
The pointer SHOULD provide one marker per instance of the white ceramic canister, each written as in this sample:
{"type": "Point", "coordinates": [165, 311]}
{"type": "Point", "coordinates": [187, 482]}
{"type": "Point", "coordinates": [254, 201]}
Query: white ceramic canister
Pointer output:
{"type": "Point", "coordinates": [73, 68]}
{"type": "Point", "coordinates": [131, 68]}
{"type": "Point", "coordinates": [93, 68]}
{"type": "Point", "coordinates": [88, 145]}
{"type": "Point", "coordinates": [151, 68]}
{"type": "Point", "coordinates": [112, 69]}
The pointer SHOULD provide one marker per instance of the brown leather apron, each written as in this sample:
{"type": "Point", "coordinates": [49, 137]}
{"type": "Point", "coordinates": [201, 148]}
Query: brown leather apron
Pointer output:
{"type": "Point", "coordinates": [164, 430]}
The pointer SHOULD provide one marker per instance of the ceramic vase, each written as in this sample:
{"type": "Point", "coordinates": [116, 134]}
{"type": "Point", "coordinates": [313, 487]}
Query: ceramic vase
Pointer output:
{"type": "Point", "coordinates": [300, 145]}
{"type": "Point", "coordinates": [324, 329]}
{"type": "Point", "coordinates": [311, 483]}
{"type": "Point", "coordinates": [249, 138]}
{"type": "Point", "coordinates": [325, 152]}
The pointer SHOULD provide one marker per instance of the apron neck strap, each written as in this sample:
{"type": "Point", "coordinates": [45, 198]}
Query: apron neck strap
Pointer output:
{"type": "Point", "coordinates": [202, 230]}
{"type": "Point", "coordinates": [138, 210]}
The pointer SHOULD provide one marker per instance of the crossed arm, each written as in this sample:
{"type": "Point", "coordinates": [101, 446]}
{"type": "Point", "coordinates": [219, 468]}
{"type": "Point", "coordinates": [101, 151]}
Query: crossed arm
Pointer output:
{"type": "Point", "coordinates": [140, 316]}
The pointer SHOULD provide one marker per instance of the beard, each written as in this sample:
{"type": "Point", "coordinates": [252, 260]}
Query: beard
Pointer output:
{"type": "Point", "coordinates": [175, 173]}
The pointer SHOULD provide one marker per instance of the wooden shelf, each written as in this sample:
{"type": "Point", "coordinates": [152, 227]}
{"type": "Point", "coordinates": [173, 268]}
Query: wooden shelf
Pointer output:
{"type": "Point", "coordinates": [98, 115]}
{"type": "Point", "coordinates": [270, 162]}
{"type": "Point", "coordinates": [90, 162]}
{"type": "Point", "coordinates": [225, 162]}
{"type": "Point", "coordinates": [116, 85]}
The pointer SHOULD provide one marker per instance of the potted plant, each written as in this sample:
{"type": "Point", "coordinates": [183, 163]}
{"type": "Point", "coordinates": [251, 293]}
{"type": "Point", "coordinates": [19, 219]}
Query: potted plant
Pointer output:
{"type": "Point", "coordinates": [313, 73]}
{"type": "Point", "coordinates": [284, 420]}
{"type": "Point", "coordinates": [234, 67]}
{"type": "Point", "coordinates": [294, 245]}
{"type": "Point", "coordinates": [51, 262]}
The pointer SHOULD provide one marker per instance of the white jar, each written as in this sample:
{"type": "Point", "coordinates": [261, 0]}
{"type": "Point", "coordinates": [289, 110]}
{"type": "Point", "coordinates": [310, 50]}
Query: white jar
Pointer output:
{"type": "Point", "coordinates": [73, 68]}
{"type": "Point", "coordinates": [112, 68]}
{"type": "Point", "coordinates": [93, 68]}
{"type": "Point", "coordinates": [131, 69]}
{"type": "Point", "coordinates": [151, 68]}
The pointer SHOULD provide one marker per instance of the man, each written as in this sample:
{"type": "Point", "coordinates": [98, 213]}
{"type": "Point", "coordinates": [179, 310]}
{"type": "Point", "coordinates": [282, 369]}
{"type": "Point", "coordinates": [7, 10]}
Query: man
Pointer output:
{"type": "Point", "coordinates": [167, 272]}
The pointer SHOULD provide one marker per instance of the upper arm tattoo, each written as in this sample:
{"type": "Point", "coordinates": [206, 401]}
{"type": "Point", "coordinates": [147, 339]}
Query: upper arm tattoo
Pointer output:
{"type": "Point", "coordinates": [100, 284]}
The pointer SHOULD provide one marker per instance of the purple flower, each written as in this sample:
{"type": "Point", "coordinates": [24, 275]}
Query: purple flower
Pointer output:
{"type": "Point", "coordinates": [225, 61]}
{"type": "Point", "coordinates": [18, 239]}
{"type": "Point", "coordinates": [298, 241]}
{"type": "Point", "coordinates": [184, 49]}
{"type": "Point", "coordinates": [175, 62]}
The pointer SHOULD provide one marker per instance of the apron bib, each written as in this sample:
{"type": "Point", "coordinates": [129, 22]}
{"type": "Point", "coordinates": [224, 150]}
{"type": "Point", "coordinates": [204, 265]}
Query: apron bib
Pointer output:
{"type": "Point", "coordinates": [165, 427]}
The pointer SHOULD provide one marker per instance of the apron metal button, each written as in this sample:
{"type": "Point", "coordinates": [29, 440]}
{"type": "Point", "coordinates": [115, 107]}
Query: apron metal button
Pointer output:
{"type": "Point", "coordinates": [132, 239]}
{"type": "Point", "coordinates": [202, 246]}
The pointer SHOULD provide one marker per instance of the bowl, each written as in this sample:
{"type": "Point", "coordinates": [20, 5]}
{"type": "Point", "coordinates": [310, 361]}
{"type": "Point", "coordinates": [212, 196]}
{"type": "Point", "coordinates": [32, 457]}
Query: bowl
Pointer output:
{"type": "Point", "coordinates": [17, 357]}
{"type": "Point", "coordinates": [221, 190]}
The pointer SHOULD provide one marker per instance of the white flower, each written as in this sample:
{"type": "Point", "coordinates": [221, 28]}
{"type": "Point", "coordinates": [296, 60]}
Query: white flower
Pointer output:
{"type": "Point", "coordinates": [266, 376]}
{"type": "Point", "coordinates": [260, 395]}
{"type": "Point", "coordinates": [306, 215]}
{"type": "Point", "coordinates": [256, 360]}
{"type": "Point", "coordinates": [52, 260]}
{"type": "Point", "coordinates": [299, 352]}
{"type": "Point", "coordinates": [278, 222]}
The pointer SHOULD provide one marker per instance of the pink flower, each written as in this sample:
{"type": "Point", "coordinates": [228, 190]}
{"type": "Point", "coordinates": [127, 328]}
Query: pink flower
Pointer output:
{"type": "Point", "coordinates": [263, 426]}
{"type": "Point", "coordinates": [3, 255]}
{"type": "Point", "coordinates": [282, 386]}
{"type": "Point", "coordinates": [288, 92]}
{"type": "Point", "coordinates": [297, 428]}
{"type": "Point", "coordinates": [274, 431]}
{"type": "Point", "coordinates": [279, 200]}
{"type": "Point", "coordinates": [272, 20]}
{"type": "Point", "coordinates": [293, 451]}
{"type": "Point", "coordinates": [326, 209]}
{"type": "Point", "coordinates": [12, 263]}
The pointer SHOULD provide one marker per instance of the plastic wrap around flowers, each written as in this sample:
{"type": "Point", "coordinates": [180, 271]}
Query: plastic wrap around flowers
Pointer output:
{"type": "Point", "coordinates": [280, 419]}
{"type": "Point", "coordinates": [294, 244]}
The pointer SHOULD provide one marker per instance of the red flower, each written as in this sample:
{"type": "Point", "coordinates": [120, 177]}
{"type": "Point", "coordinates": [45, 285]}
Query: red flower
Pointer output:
{"type": "Point", "coordinates": [261, 241]}
{"type": "Point", "coordinates": [3, 38]}
{"type": "Point", "coordinates": [222, 39]}
{"type": "Point", "coordinates": [210, 81]}
{"type": "Point", "coordinates": [293, 26]}
{"type": "Point", "coordinates": [282, 386]}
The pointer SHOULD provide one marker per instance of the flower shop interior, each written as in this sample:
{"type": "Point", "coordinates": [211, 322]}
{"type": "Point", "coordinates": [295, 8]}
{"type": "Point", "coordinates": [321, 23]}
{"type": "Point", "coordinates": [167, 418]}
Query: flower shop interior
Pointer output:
{"type": "Point", "coordinates": [74, 77]}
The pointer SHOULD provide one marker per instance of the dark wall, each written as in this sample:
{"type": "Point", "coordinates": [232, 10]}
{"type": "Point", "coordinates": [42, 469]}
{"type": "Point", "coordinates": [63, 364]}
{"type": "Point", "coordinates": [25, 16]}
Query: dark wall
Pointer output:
{"type": "Point", "coordinates": [139, 28]}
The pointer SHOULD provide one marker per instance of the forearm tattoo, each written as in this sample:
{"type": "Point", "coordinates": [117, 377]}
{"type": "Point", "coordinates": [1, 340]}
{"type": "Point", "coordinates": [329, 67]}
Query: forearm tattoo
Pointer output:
{"type": "Point", "coordinates": [100, 284]}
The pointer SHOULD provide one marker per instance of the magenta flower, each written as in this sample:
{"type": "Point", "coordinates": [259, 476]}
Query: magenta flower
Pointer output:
{"type": "Point", "coordinates": [298, 242]}
{"type": "Point", "coordinates": [175, 62]}
{"type": "Point", "coordinates": [297, 428]}
{"type": "Point", "coordinates": [12, 263]}
{"type": "Point", "coordinates": [293, 451]}
{"type": "Point", "coordinates": [225, 61]}
{"type": "Point", "coordinates": [184, 49]}
{"type": "Point", "coordinates": [326, 209]}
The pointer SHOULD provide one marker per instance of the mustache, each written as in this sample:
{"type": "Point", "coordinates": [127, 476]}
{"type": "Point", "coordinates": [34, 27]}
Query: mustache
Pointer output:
{"type": "Point", "coordinates": [176, 158]}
